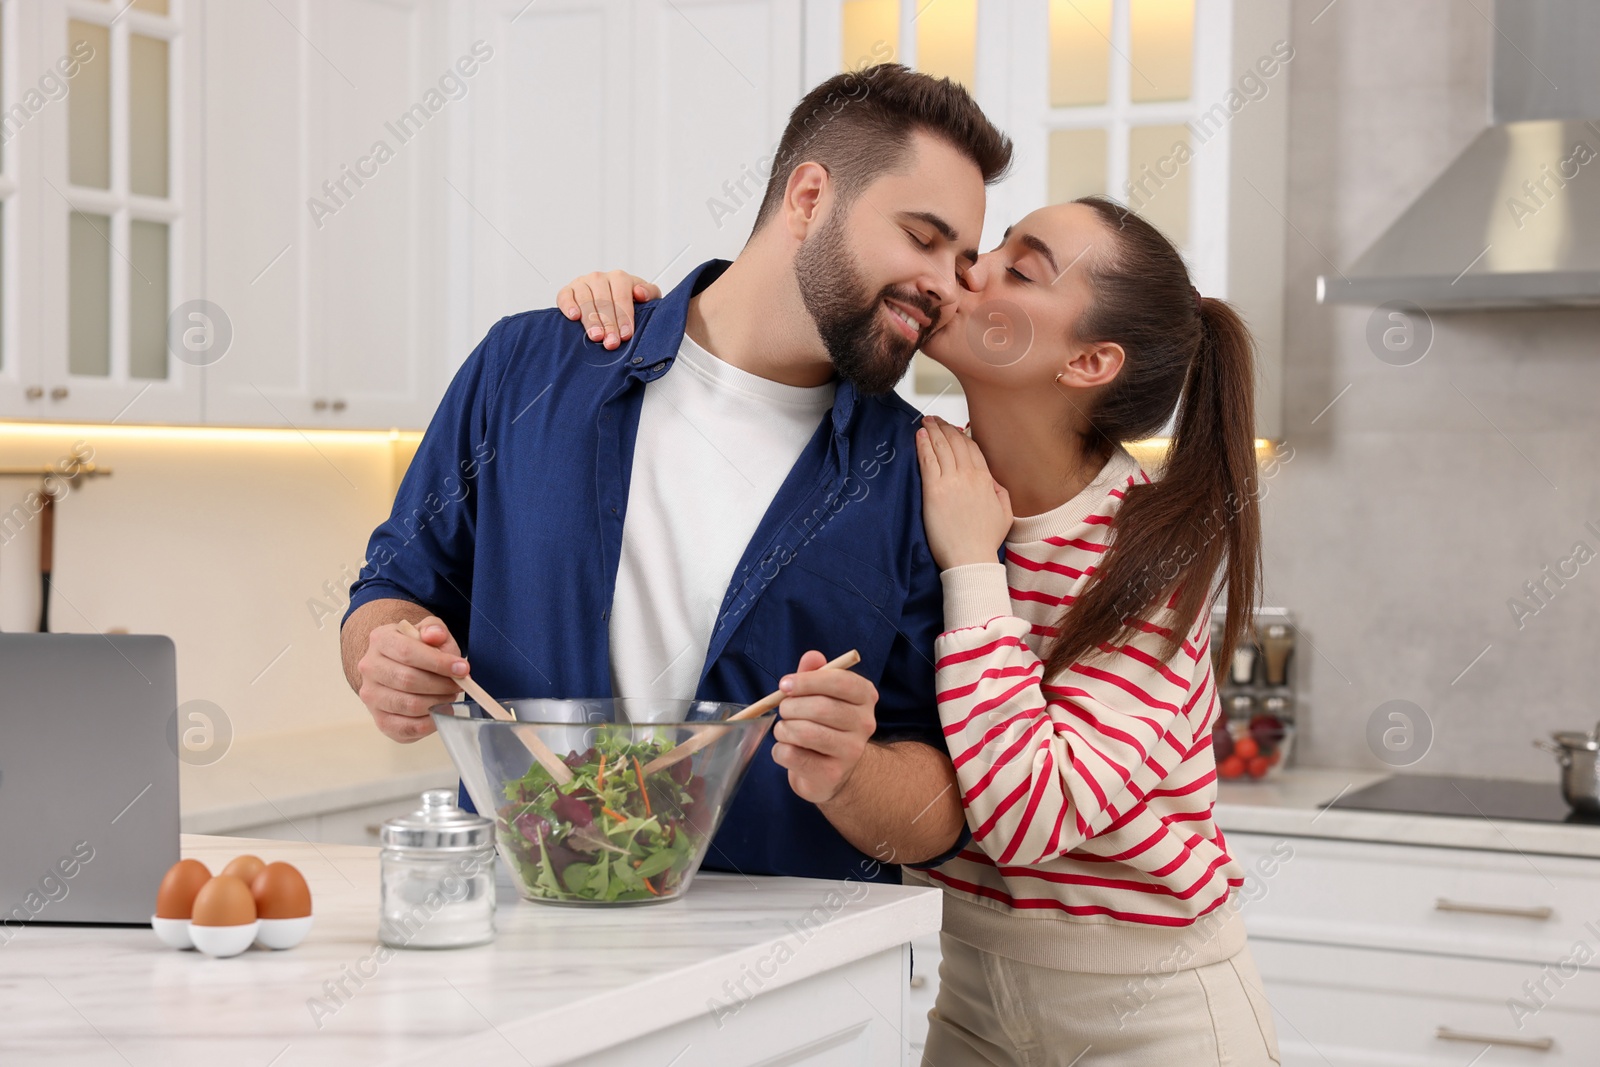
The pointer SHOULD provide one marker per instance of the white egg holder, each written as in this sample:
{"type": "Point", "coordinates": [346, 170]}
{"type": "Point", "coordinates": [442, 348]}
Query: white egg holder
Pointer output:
{"type": "Point", "coordinates": [224, 941]}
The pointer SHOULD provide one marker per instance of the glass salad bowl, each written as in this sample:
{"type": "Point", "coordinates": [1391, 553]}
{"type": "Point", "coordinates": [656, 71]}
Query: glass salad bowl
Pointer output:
{"type": "Point", "coordinates": [616, 833]}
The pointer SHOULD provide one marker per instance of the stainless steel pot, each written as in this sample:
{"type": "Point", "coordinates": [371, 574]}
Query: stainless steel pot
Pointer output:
{"type": "Point", "coordinates": [1579, 756]}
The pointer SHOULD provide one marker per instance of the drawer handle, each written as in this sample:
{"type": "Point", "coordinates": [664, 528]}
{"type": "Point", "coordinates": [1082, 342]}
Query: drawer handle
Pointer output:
{"type": "Point", "coordinates": [1538, 1044]}
{"type": "Point", "coordinates": [1542, 913]}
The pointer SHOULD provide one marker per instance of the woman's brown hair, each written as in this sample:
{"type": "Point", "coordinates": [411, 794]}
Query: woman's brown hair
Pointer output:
{"type": "Point", "coordinates": [1169, 538]}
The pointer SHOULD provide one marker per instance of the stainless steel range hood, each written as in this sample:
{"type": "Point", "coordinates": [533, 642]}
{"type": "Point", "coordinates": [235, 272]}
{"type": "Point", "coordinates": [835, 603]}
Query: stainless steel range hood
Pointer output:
{"type": "Point", "coordinates": [1514, 221]}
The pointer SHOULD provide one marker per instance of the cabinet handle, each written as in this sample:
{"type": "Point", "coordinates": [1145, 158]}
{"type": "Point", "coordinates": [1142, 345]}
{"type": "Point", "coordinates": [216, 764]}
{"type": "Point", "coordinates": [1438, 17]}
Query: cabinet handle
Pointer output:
{"type": "Point", "coordinates": [1538, 1044]}
{"type": "Point", "coordinates": [58, 393]}
{"type": "Point", "coordinates": [34, 392]}
{"type": "Point", "coordinates": [1542, 913]}
{"type": "Point", "coordinates": [338, 405]}
{"type": "Point", "coordinates": [319, 404]}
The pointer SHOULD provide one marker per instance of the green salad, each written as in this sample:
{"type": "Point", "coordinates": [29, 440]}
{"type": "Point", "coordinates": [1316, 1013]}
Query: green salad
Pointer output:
{"type": "Point", "coordinates": [610, 835]}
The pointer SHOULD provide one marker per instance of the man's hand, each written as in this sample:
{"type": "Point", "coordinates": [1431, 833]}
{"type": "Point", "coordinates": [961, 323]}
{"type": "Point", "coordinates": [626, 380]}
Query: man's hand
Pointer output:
{"type": "Point", "coordinates": [402, 677]}
{"type": "Point", "coordinates": [824, 725]}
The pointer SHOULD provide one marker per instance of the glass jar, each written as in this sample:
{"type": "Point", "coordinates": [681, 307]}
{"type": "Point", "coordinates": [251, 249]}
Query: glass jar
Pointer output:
{"type": "Point", "coordinates": [437, 876]}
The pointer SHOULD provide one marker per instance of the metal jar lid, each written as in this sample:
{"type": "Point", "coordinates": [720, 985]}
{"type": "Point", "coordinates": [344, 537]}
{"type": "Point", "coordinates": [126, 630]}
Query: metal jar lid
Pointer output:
{"type": "Point", "coordinates": [438, 826]}
{"type": "Point", "coordinates": [1571, 739]}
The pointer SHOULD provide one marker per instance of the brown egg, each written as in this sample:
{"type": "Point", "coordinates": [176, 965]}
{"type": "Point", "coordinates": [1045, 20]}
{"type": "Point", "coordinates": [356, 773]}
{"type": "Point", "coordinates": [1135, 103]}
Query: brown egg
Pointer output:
{"type": "Point", "coordinates": [281, 892]}
{"type": "Point", "coordinates": [244, 868]}
{"type": "Point", "coordinates": [224, 901]}
{"type": "Point", "coordinates": [175, 898]}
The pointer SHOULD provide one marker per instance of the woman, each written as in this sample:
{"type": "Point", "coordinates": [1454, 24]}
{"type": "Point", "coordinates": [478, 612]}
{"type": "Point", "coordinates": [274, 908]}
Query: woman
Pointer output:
{"type": "Point", "coordinates": [1090, 921]}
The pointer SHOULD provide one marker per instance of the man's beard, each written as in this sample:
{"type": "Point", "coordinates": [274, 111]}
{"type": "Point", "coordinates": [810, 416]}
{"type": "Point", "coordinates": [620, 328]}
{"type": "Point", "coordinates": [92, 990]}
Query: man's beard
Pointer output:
{"type": "Point", "coordinates": [866, 352]}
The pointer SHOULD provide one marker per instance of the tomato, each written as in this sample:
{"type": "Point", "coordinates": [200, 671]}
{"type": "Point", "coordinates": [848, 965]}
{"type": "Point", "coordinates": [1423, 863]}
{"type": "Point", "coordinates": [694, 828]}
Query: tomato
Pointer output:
{"type": "Point", "coordinates": [1258, 767]}
{"type": "Point", "coordinates": [1232, 767]}
{"type": "Point", "coordinates": [1246, 748]}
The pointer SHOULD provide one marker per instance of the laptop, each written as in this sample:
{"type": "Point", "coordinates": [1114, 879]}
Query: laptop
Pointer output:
{"type": "Point", "coordinates": [88, 777]}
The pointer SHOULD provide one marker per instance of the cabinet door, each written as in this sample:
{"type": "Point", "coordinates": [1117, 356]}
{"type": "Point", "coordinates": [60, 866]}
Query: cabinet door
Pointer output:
{"type": "Point", "coordinates": [717, 80]}
{"type": "Point", "coordinates": [1340, 1007]}
{"type": "Point", "coordinates": [378, 130]}
{"type": "Point", "coordinates": [101, 217]}
{"type": "Point", "coordinates": [603, 135]}
{"type": "Point", "coordinates": [258, 274]}
{"type": "Point", "coordinates": [325, 132]}
{"type": "Point", "coordinates": [548, 193]}
{"type": "Point", "coordinates": [21, 392]}
{"type": "Point", "coordinates": [1455, 901]}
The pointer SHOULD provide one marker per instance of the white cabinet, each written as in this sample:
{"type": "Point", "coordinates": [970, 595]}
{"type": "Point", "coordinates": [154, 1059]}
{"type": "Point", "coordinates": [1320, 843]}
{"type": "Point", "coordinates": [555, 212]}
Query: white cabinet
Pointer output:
{"type": "Point", "coordinates": [1459, 902]}
{"type": "Point", "coordinates": [164, 260]}
{"type": "Point", "coordinates": [21, 376]}
{"type": "Point", "coordinates": [101, 224]}
{"type": "Point", "coordinates": [1387, 954]}
{"type": "Point", "coordinates": [607, 134]}
{"type": "Point", "coordinates": [257, 72]}
{"type": "Point", "coordinates": [1343, 1007]}
{"type": "Point", "coordinates": [328, 125]}
{"type": "Point", "coordinates": [848, 1016]}
{"type": "Point", "coordinates": [360, 188]}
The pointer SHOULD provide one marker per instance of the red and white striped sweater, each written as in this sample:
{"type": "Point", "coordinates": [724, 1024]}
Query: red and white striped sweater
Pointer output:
{"type": "Point", "coordinates": [1089, 794]}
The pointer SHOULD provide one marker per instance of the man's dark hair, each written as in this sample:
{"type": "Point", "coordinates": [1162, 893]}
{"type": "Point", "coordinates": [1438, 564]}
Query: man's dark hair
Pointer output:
{"type": "Point", "coordinates": [859, 124]}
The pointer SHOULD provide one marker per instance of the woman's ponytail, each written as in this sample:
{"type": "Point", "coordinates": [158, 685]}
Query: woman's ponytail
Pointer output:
{"type": "Point", "coordinates": [1170, 538]}
{"type": "Point", "coordinates": [1213, 451]}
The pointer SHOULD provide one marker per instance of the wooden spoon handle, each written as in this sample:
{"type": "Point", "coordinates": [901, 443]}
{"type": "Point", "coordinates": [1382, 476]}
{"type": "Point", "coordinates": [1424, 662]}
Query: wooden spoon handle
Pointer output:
{"type": "Point", "coordinates": [528, 734]}
{"type": "Point", "coordinates": [705, 736]}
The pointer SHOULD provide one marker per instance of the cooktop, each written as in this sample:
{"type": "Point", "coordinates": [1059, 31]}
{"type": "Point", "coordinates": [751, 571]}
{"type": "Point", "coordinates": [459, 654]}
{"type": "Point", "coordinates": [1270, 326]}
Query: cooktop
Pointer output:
{"type": "Point", "coordinates": [1491, 798]}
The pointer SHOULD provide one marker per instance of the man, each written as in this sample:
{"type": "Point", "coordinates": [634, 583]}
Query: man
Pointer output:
{"type": "Point", "coordinates": [733, 490]}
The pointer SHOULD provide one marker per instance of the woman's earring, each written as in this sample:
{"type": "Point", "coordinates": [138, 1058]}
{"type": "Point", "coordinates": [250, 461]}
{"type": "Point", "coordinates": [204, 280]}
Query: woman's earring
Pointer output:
{"type": "Point", "coordinates": [1058, 377]}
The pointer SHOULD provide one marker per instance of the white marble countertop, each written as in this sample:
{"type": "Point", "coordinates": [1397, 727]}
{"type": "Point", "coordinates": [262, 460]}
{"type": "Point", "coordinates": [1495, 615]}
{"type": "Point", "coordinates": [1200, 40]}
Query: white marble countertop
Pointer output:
{"type": "Point", "coordinates": [1293, 804]}
{"type": "Point", "coordinates": [557, 983]}
{"type": "Point", "coordinates": [281, 777]}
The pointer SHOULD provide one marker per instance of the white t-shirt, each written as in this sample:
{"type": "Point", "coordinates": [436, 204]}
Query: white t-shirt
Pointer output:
{"type": "Point", "coordinates": [715, 443]}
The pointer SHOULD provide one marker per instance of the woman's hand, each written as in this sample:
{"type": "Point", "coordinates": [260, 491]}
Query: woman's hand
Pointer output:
{"type": "Point", "coordinates": [966, 512]}
{"type": "Point", "coordinates": [604, 300]}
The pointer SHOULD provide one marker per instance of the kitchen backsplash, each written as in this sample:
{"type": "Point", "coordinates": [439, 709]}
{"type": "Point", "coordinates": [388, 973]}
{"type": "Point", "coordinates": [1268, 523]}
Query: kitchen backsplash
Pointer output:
{"type": "Point", "coordinates": [238, 546]}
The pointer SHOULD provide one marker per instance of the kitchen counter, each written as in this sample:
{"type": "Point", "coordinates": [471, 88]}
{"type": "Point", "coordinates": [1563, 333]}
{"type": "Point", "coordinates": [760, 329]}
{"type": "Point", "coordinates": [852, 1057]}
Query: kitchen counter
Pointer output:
{"type": "Point", "coordinates": [293, 776]}
{"type": "Point", "coordinates": [740, 970]}
{"type": "Point", "coordinates": [1292, 804]}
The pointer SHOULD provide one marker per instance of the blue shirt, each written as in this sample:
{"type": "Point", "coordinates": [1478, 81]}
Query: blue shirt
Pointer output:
{"type": "Point", "coordinates": [508, 526]}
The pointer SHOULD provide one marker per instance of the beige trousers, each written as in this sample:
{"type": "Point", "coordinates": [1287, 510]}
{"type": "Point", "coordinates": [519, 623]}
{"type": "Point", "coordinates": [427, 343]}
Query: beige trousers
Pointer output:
{"type": "Point", "coordinates": [997, 1012]}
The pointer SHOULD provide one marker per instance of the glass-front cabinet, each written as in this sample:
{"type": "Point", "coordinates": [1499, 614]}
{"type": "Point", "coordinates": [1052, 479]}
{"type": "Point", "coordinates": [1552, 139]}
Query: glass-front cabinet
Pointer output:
{"type": "Point", "coordinates": [1176, 108]}
{"type": "Point", "coordinates": [97, 231]}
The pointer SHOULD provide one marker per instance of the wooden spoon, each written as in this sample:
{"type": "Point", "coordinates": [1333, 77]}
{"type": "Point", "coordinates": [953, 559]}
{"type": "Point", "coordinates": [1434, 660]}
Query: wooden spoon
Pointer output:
{"type": "Point", "coordinates": [705, 736]}
{"type": "Point", "coordinates": [528, 733]}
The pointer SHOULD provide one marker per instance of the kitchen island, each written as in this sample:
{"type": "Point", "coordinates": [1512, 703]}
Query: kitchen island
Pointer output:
{"type": "Point", "coordinates": [740, 971]}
